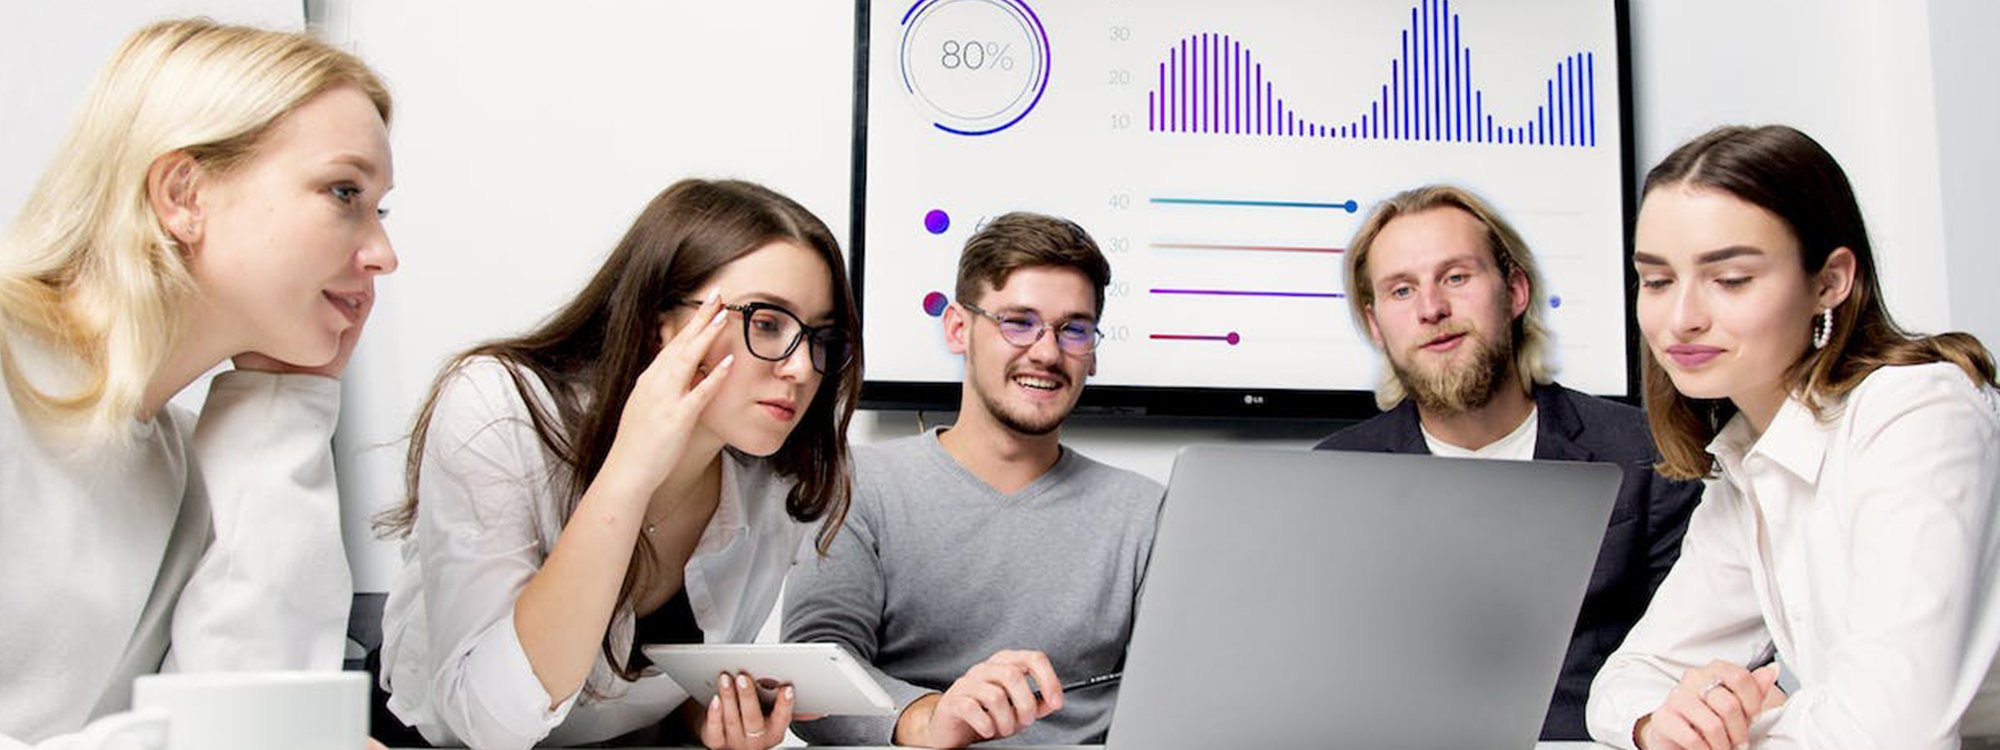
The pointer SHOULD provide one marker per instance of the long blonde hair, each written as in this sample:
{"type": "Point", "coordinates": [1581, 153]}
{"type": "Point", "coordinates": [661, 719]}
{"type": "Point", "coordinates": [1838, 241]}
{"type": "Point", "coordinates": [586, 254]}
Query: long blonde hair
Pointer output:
{"type": "Point", "coordinates": [87, 266]}
{"type": "Point", "coordinates": [1530, 331]}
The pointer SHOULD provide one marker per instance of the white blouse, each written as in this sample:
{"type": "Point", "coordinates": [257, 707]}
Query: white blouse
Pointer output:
{"type": "Point", "coordinates": [489, 508]}
{"type": "Point", "coordinates": [197, 546]}
{"type": "Point", "coordinates": [1865, 548]}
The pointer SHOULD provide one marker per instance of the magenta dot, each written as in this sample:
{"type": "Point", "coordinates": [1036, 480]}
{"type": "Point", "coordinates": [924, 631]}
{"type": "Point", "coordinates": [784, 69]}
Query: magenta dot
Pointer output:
{"type": "Point", "coordinates": [1232, 338]}
{"type": "Point", "coordinates": [934, 303]}
{"type": "Point", "coordinates": [937, 221]}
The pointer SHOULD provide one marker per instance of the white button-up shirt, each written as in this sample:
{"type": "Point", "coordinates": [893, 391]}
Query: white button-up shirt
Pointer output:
{"type": "Point", "coordinates": [489, 514]}
{"type": "Point", "coordinates": [1866, 548]}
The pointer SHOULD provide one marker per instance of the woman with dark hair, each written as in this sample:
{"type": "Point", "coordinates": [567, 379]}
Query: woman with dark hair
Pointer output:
{"type": "Point", "coordinates": [642, 468]}
{"type": "Point", "coordinates": [1851, 526]}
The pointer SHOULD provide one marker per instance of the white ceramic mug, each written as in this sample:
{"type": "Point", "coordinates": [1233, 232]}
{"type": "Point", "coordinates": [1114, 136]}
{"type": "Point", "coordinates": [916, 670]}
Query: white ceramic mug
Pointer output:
{"type": "Point", "coordinates": [239, 711]}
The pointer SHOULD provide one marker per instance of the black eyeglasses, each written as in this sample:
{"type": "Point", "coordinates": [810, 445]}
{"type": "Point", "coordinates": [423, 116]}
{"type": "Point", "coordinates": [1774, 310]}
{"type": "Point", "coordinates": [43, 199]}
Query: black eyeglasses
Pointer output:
{"type": "Point", "coordinates": [1077, 336]}
{"type": "Point", "coordinates": [772, 333]}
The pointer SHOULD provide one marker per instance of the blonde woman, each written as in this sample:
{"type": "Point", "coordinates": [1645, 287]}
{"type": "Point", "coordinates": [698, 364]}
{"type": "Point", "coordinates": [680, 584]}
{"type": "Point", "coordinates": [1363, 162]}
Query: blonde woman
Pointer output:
{"type": "Point", "coordinates": [218, 198]}
{"type": "Point", "coordinates": [1850, 534]}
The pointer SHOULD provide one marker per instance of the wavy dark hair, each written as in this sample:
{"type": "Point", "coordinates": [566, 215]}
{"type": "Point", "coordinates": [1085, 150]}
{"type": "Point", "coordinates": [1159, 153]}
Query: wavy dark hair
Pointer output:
{"type": "Point", "coordinates": [1787, 173]}
{"type": "Point", "coordinates": [589, 354]}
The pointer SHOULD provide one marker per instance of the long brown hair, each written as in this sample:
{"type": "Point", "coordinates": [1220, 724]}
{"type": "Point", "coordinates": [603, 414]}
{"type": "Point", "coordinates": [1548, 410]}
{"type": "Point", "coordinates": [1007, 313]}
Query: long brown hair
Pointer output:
{"type": "Point", "coordinates": [589, 354]}
{"type": "Point", "coordinates": [1787, 173]}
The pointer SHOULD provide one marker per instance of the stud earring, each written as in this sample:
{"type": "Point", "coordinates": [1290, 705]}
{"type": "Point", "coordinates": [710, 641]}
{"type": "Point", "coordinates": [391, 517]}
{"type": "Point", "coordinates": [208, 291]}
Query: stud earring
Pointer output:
{"type": "Point", "coordinates": [1823, 328]}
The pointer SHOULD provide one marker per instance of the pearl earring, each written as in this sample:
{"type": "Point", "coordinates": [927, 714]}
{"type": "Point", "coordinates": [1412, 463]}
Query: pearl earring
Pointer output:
{"type": "Point", "coordinates": [1823, 328]}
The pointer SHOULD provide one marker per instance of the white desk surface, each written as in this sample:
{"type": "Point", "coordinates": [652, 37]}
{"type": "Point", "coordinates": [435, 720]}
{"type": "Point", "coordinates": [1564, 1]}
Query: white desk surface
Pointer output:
{"type": "Point", "coordinates": [1099, 747]}
{"type": "Point", "coordinates": [1538, 746]}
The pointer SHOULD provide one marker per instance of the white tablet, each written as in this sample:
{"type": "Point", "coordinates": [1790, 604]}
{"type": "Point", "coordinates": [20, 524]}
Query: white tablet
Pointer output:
{"type": "Point", "coordinates": [826, 680]}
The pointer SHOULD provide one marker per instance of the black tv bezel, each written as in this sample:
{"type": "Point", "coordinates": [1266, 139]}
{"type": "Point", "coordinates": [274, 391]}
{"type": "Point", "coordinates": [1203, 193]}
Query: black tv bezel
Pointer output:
{"type": "Point", "coordinates": [1225, 403]}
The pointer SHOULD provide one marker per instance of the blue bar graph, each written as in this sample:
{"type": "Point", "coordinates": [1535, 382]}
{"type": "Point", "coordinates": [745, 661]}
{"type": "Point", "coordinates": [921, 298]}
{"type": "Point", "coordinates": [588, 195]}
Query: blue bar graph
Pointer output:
{"type": "Point", "coordinates": [1213, 83]}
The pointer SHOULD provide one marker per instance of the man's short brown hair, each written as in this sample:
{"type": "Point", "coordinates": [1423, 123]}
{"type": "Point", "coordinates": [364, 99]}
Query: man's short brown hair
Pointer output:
{"type": "Point", "coordinates": [1029, 240]}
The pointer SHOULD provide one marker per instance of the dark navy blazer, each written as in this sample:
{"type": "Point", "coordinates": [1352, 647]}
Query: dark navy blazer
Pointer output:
{"type": "Point", "coordinates": [1640, 544]}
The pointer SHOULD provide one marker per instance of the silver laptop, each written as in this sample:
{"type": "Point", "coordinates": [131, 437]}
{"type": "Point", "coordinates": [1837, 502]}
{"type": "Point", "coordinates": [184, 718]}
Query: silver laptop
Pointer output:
{"type": "Point", "coordinates": [1358, 600]}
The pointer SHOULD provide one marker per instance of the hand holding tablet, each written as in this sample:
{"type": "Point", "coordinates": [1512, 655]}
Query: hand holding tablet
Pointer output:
{"type": "Point", "coordinates": [825, 679]}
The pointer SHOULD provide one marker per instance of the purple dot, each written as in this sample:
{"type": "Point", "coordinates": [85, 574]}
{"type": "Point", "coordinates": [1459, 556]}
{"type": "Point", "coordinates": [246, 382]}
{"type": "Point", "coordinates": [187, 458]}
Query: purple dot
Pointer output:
{"type": "Point", "coordinates": [1555, 301]}
{"type": "Point", "coordinates": [1232, 338]}
{"type": "Point", "coordinates": [937, 221]}
{"type": "Point", "coordinates": [934, 303]}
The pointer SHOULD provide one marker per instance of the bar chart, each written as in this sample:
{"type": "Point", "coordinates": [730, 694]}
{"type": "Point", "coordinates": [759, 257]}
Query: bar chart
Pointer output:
{"type": "Point", "coordinates": [1215, 83]}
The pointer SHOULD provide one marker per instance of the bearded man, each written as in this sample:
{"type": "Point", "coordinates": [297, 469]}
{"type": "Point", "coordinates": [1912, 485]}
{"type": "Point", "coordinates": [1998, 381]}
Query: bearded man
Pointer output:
{"type": "Point", "coordinates": [1450, 294]}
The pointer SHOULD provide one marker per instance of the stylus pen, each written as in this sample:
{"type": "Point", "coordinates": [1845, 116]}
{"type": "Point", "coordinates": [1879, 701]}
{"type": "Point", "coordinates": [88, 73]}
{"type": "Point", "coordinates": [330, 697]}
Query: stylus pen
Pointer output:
{"type": "Point", "coordinates": [1766, 655]}
{"type": "Point", "coordinates": [1103, 679]}
{"type": "Point", "coordinates": [1089, 682]}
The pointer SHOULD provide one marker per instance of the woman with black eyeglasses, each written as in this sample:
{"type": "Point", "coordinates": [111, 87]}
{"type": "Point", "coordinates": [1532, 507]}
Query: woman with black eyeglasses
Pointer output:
{"type": "Point", "coordinates": [641, 468]}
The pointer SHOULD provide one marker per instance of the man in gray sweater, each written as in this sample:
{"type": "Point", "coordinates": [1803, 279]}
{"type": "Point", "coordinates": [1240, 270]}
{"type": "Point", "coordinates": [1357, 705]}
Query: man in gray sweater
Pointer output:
{"type": "Point", "coordinates": [980, 556]}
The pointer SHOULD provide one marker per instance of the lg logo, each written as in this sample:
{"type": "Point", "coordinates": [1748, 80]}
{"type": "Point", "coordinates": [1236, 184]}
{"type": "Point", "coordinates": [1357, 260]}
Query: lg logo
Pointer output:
{"type": "Point", "coordinates": [1252, 399]}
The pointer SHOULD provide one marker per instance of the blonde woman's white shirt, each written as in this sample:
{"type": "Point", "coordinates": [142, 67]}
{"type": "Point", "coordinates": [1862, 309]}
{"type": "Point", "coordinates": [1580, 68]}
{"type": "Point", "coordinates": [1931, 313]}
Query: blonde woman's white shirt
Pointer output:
{"type": "Point", "coordinates": [489, 513]}
{"type": "Point", "coordinates": [209, 545]}
{"type": "Point", "coordinates": [1866, 547]}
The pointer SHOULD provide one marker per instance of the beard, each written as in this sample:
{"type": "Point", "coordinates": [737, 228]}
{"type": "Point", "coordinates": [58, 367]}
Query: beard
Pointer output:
{"type": "Point", "coordinates": [1021, 423]}
{"type": "Point", "coordinates": [1021, 420]}
{"type": "Point", "coordinates": [1458, 388]}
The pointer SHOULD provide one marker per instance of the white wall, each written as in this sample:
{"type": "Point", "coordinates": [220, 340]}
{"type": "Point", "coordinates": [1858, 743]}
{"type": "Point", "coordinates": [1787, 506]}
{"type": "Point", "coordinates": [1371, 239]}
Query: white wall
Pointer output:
{"type": "Point", "coordinates": [49, 52]}
{"type": "Point", "coordinates": [1855, 74]}
{"type": "Point", "coordinates": [505, 112]}
{"type": "Point", "coordinates": [1968, 125]}
{"type": "Point", "coordinates": [519, 162]}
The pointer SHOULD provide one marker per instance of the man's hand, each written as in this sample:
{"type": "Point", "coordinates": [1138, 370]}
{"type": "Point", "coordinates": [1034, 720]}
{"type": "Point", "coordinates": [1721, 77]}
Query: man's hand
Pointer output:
{"type": "Point", "coordinates": [992, 700]}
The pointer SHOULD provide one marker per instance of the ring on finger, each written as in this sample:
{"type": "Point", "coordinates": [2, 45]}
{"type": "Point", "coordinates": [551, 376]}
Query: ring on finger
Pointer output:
{"type": "Point", "coordinates": [1712, 684]}
{"type": "Point", "coordinates": [748, 733]}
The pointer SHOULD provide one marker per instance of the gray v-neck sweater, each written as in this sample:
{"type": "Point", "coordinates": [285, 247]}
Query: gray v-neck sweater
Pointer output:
{"type": "Point", "coordinates": [935, 571]}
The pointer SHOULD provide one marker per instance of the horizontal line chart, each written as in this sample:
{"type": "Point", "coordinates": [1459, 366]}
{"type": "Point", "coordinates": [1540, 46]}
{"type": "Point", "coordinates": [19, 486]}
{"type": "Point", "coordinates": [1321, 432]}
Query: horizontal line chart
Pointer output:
{"type": "Point", "coordinates": [1349, 205]}
{"type": "Point", "coordinates": [1248, 293]}
{"type": "Point", "coordinates": [1231, 338]}
{"type": "Point", "coordinates": [1213, 83]}
{"type": "Point", "coordinates": [1234, 215]}
{"type": "Point", "coordinates": [1249, 248]}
